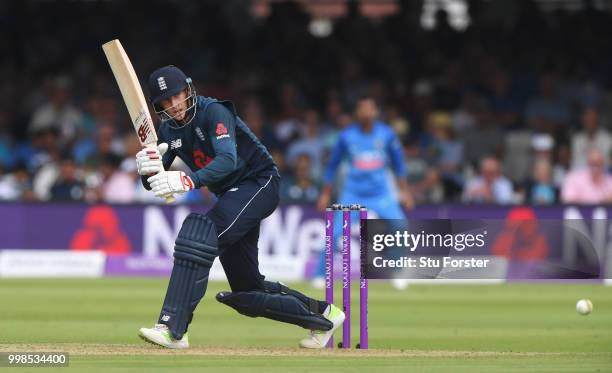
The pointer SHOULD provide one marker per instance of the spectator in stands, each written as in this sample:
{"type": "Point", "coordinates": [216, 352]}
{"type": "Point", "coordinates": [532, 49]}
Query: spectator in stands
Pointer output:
{"type": "Point", "coordinates": [288, 128]}
{"type": "Point", "coordinates": [336, 119]}
{"type": "Point", "coordinates": [7, 156]}
{"type": "Point", "coordinates": [449, 86]}
{"type": "Point", "coordinates": [58, 112]}
{"type": "Point", "coordinates": [448, 158]}
{"type": "Point", "coordinates": [68, 186]}
{"type": "Point", "coordinates": [423, 179]}
{"type": "Point", "coordinates": [311, 143]}
{"type": "Point", "coordinates": [561, 164]}
{"type": "Point", "coordinates": [428, 144]}
{"type": "Point", "coordinates": [107, 144]}
{"type": "Point", "coordinates": [590, 185]}
{"type": "Point", "coordinates": [102, 113]}
{"type": "Point", "coordinates": [540, 190]}
{"type": "Point", "coordinates": [253, 115]}
{"type": "Point", "coordinates": [547, 112]}
{"type": "Point", "coordinates": [37, 152]}
{"type": "Point", "coordinates": [16, 185]}
{"type": "Point", "coordinates": [489, 84]}
{"type": "Point", "coordinates": [504, 105]}
{"type": "Point", "coordinates": [487, 138]}
{"type": "Point", "coordinates": [279, 158]}
{"type": "Point", "coordinates": [542, 146]}
{"type": "Point", "coordinates": [117, 184]}
{"type": "Point", "coordinates": [397, 121]}
{"type": "Point", "coordinates": [301, 187]}
{"type": "Point", "coordinates": [464, 118]}
{"type": "Point", "coordinates": [132, 146]}
{"type": "Point", "coordinates": [333, 112]}
{"type": "Point", "coordinates": [46, 175]}
{"type": "Point", "coordinates": [591, 137]}
{"type": "Point", "coordinates": [490, 186]}
{"type": "Point", "coordinates": [421, 104]}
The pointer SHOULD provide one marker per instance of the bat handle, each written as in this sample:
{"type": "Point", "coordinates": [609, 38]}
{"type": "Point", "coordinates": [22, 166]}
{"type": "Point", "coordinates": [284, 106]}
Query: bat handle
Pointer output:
{"type": "Point", "coordinates": [169, 199]}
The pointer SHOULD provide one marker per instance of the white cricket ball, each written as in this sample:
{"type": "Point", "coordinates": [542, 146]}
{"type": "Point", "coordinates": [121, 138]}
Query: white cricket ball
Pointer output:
{"type": "Point", "coordinates": [584, 307]}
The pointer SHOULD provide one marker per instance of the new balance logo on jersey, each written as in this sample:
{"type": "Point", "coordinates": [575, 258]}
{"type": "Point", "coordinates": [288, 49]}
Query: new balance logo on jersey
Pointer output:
{"type": "Point", "coordinates": [175, 144]}
{"type": "Point", "coordinates": [199, 133]}
{"type": "Point", "coordinates": [165, 318]}
{"type": "Point", "coordinates": [221, 131]}
{"type": "Point", "coordinates": [162, 83]}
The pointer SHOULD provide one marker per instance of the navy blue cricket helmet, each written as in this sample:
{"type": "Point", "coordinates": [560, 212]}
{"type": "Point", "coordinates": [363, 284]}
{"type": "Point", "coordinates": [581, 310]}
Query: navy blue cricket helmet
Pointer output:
{"type": "Point", "coordinates": [166, 82]}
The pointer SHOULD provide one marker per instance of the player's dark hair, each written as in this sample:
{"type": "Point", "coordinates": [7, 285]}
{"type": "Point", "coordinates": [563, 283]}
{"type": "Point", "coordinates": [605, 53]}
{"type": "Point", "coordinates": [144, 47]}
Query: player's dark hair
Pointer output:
{"type": "Point", "coordinates": [363, 97]}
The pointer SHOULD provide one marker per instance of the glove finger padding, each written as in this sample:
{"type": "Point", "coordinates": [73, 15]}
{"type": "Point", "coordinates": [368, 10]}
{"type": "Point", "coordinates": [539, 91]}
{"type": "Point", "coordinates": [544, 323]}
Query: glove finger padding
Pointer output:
{"type": "Point", "coordinates": [149, 160]}
{"type": "Point", "coordinates": [162, 192]}
{"type": "Point", "coordinates": [167, 182]}
{"type": "Point", "coordinates": [162, 148]}
{"type": "Point", "coordinates": [149, 170]}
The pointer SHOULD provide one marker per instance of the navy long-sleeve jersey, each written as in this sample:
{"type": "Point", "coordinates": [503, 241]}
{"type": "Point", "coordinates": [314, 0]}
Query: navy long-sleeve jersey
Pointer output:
{"type": "Point", "coordinates": [217, 146]}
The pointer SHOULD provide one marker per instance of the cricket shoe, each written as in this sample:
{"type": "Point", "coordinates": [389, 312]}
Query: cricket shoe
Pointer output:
{"type": "Point", "coordinates": [160, 335]}
{"type": "Point", "coordinates": [319, 338]}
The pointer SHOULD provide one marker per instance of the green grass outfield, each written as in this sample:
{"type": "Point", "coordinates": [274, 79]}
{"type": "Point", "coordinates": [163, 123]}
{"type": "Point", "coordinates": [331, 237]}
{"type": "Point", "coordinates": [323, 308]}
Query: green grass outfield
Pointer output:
{"type": "Point", "coordinates": [425, 328]}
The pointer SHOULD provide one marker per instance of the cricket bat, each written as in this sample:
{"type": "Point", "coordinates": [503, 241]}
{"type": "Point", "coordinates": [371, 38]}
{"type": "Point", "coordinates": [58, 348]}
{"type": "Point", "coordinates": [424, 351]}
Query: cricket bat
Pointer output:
{"type": "Point", "coordinates": [132, 95]}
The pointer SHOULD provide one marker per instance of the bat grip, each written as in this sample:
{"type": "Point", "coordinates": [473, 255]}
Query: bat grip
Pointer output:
{"type": "Point", "coordinates": [169, 199]}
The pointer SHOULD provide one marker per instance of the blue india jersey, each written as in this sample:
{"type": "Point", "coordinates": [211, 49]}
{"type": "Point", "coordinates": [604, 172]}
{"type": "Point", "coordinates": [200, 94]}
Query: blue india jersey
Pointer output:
{"type": "Point", "coordinates": [369, 156]}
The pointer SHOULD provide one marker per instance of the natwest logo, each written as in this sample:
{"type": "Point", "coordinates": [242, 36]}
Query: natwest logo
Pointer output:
{"type": "Point", "coordinates": [221, 131]}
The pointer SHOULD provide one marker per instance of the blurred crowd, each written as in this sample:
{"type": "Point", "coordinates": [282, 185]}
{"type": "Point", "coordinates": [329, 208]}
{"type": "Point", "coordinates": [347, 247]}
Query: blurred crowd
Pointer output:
{"type": "Point", "coordinates": [517, 108]}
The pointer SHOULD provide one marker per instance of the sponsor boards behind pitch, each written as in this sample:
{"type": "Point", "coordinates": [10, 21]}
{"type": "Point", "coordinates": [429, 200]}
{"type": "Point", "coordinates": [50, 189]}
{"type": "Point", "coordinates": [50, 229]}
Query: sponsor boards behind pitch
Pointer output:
{"type": "Point", "coordinates": [137, 240]}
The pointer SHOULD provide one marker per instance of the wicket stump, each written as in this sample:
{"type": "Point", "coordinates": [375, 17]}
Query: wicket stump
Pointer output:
{"type": "Point", "coordinates": [346, 271]}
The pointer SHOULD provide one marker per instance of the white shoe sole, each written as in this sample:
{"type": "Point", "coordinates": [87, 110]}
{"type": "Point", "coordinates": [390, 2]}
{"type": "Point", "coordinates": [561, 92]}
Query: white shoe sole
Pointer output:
{"type": "Point", "coordinates": [157, 340]}
{"type": "Point", "coordinates": [314, 343]}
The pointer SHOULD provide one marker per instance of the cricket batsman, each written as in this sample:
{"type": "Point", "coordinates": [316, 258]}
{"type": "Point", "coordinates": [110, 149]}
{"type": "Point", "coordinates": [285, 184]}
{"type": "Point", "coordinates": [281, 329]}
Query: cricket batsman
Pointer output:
{"type": "Point", "coordinates": [371, 150]}
{"type": "Point", "coordinates": [228, 159]}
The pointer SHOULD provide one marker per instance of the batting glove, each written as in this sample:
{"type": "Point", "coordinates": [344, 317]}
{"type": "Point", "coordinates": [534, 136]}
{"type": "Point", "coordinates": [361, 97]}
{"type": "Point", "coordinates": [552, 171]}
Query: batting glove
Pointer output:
{"type": "Point", "coordinates": [149, 160]}
{"type": "Point", "coordinates": [167, 183]}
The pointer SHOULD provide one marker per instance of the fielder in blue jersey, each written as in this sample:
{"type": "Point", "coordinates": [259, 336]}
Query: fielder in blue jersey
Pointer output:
{"type": "Point", "coordinates": [226, 157]}
{"type": "Point", "coordinates": [371, 149]}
